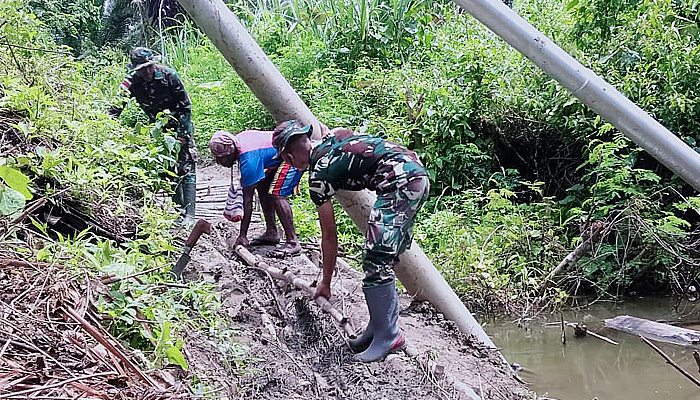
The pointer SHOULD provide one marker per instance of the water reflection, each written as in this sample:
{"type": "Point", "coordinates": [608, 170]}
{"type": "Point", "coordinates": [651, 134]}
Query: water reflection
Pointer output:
{"type": "Point", "coordinates": [587, 367]}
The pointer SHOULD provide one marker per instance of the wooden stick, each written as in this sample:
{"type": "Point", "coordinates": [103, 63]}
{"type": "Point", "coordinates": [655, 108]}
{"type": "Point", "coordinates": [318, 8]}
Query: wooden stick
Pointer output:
{"type": "Point", "coordinates": [572, 258]}
{"type": "Point", "coordinates": [696, 356]}
{"type": "Point", "coordinates": [670, 361]}
{"type": "Point", "coordinates": [112, 279]}
{"type": "Point", "coordinates": [16, 343]}
{"type": "Point", "coordinates": [29, 210]}
{"type": "Point", "coordinates": [563, 330]}
{"type": "Point", "coordinates": [55, 385]}
{"type": "Point", "coordinates": [10, 262]}
{"type": "Point", "coordinates": [299, 283]}
{"type": "Point", "coordinates": [108, 345]}
{"type": "Point", "coordinates": [347, 268]}
{"type": "Point", "coordinates": [601, 337]}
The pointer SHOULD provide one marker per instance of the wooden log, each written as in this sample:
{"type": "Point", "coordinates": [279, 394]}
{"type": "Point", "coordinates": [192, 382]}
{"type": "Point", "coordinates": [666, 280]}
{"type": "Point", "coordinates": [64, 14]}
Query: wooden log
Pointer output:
{"type": "Point", "coordinates": [587, 239]}
{"type": "Point", "coordinates": [299, 283]}
{"type": "Point", "coordinates": [654, 330]}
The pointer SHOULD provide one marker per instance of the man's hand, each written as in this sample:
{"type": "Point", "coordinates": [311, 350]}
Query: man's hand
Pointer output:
{"type": "Point", "coordinates": [323, 290]}
{"type": "Point", "coordinates": [114, 111]}
{"type": "Point", "coordinates": [232, 217]}
{"type": "Point", "coordinates": [242, 240]}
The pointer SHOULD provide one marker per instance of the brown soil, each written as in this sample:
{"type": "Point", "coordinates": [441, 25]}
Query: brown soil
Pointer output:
{"type": "Point", "coordinates": [294, 350]}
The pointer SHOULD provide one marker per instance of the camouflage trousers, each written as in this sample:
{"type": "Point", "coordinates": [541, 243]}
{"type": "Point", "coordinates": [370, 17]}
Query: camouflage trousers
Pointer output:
{"type": "Point", "coordinates": [390, 228]}
{"type": "Point", "coordinates": [187, 157]}
{"type": "Point", "coordinates": [185, 168]}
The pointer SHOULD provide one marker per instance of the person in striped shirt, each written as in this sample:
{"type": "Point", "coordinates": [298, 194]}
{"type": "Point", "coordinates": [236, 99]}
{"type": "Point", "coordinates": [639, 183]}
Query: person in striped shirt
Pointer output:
{"type": "Point", "coordinates": [260, 170]}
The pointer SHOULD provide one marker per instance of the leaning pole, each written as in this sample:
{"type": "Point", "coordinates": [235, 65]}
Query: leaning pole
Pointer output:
{"type": "Point", "coordinates": [588, 87]}
{"type": "Point", "coordinates": [415, 271]}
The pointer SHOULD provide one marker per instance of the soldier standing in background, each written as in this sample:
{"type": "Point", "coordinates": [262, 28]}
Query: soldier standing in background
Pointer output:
{"type": "Point", "coordinates": [158, 88]}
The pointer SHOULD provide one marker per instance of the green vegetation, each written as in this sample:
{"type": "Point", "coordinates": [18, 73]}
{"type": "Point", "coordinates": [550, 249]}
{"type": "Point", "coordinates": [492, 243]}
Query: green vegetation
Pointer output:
{"type": "Point", "coordinates": [520, 170]}
{"type": "Point", "coordinates": [59, 145]}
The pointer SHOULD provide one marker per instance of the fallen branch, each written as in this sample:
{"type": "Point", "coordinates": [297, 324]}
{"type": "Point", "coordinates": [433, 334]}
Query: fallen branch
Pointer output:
{"type": "Point", "coordinates": [696, 356]}
{"type": "Point", "coordinates": [54, 385]}
{"type": "Point", "coordinates": [108, 279]}
{"type": "Point", "coordinates": [299, 283]}
{"type": "Point", "coordinates": [572, 258]}
{"type": "Point", "coordinates": [29, 210]}
{"type": "Point", "coordinates": [11, 262]}
{"type": "Point", "coordinates": [670, 361]}
{"type": "Point", "coordinates": [601, 337]}
{"type": "Point", "coordinates": [92, 331]}
{"type": "Point", "coordinates": [17, 344]}
{"type": "Point", "coordinates": [654, 330]}
{"type": "Point", "coordinates": [347, 268]}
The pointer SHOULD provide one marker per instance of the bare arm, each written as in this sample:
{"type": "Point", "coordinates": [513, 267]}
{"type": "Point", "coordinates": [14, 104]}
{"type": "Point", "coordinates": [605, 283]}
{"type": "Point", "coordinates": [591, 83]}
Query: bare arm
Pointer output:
{"type": "Point", "coordinates": [124, 94]}
{"type": "Point", "coordinates": [247, 213]}
{"type": "Point", "coordinates": [329, 247]}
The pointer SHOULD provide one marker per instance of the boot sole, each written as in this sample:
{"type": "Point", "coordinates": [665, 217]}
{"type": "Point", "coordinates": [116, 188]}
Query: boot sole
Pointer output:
{"type": "Point", "coordinates": [398, 345]}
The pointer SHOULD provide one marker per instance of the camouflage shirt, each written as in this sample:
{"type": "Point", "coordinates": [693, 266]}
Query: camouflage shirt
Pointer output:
{"type": "Point", "coordinates": [164, 91]}
{"type": "Point", "coordinates": [360, 162]}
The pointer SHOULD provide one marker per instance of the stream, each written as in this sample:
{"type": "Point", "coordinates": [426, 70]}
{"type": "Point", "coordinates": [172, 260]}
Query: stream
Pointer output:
{"type": "Point", "coordinates": [587, 368]}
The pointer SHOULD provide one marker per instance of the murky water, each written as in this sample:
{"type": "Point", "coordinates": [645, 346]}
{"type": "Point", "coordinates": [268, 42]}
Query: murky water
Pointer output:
{"type": "Point", "coordinates": [587, 368]}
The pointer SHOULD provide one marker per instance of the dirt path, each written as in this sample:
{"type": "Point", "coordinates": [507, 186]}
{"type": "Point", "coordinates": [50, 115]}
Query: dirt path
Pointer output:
{"type": "Point", "coordinates": [296, 351]}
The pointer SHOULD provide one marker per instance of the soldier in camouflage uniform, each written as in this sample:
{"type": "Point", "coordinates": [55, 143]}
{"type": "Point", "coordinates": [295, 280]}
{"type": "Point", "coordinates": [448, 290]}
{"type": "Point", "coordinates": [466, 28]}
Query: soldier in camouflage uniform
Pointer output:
{"type": "Point", "coordinates": [345, 161]}
{"type": "Point", "coordinates": [158, 88]}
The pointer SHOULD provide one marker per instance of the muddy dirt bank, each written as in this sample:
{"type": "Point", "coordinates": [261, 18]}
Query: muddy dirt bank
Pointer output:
{"type": "Point", "coordinates": [297, 351]}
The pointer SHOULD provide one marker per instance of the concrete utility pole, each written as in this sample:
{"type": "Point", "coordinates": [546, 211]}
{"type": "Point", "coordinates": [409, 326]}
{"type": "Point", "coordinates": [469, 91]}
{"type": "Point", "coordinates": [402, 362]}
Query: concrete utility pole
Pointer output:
{"type": "Point", "coordinates": [415, 271]}
{"type": "Point", "coordinates": [588, 87]}
{"type": "Point", "coordinates": [245, 55]}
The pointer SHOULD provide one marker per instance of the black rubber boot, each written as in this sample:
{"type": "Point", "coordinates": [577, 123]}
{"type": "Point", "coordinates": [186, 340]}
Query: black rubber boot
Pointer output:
{"type": "Point", "coordinates": [383, 304]}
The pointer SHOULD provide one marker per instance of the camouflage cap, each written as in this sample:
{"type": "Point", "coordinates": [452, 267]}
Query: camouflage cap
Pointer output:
{"type": "Point", "coordinates": [141, 57]}
{"type": "Point", "coordinates": [285, 131]}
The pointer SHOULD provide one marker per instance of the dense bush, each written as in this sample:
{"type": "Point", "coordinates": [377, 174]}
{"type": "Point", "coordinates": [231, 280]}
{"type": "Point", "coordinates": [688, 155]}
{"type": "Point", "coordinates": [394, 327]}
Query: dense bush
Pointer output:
{"type": "Point", "coordinates": [57, 144]}
{"type": "Point", "coordinates": [520, 169]}
{"type": "Point", "coordinates": [486, 121]}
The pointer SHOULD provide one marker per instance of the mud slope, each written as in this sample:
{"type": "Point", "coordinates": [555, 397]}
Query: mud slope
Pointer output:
{"type": "Point", "coordinates": [297, 351]}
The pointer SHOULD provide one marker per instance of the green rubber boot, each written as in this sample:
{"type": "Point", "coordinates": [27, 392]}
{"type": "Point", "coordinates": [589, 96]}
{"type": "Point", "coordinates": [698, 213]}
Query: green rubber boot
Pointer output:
{"type": "Point", "coordinates": [190, 194]}
{"type": "Point", "coordinates": [186, 196]}
{"type": "Point", "coordinates": [383, 304]}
